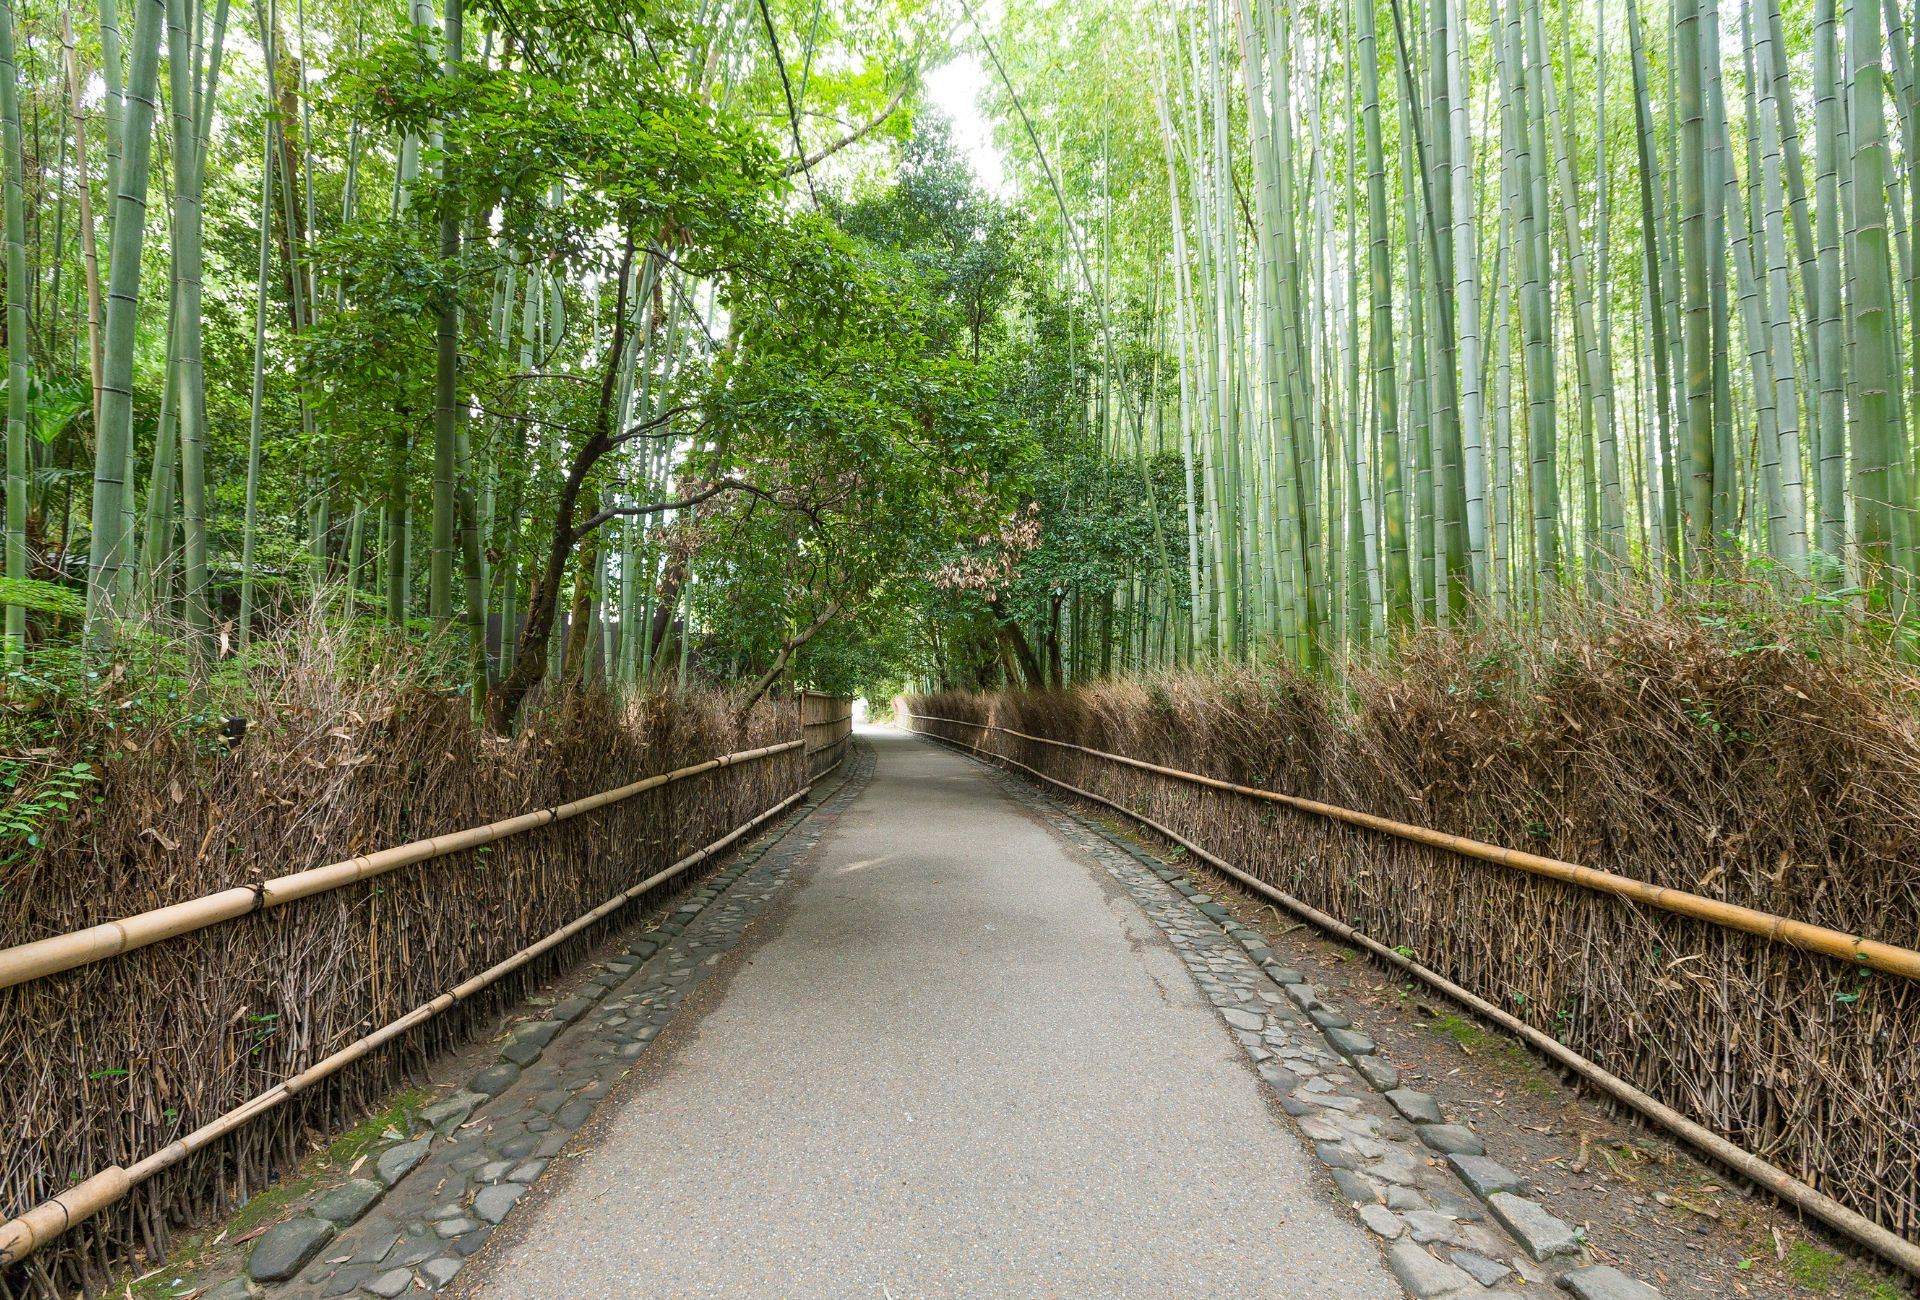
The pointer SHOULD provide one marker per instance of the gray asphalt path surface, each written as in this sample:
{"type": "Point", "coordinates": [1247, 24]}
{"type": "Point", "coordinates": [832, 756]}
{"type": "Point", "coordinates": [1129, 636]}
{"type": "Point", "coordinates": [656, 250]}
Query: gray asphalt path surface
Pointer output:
{"type": "Point", "coordinates": [957, 1062]}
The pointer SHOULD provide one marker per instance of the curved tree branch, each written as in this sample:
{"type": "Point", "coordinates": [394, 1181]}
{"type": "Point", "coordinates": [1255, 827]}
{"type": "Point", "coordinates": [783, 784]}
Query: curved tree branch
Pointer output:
{"type": "Point", "coordinates": [781, 660]}
{"type": "Point", "coordinates": [707, 493]}
{"type": "Point", "coordinates": [867, 128]}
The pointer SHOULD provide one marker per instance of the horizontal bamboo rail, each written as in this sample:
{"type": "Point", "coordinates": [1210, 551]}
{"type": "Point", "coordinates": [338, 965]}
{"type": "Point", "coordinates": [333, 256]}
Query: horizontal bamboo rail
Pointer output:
{"type": "Point", "coordinates": [20, 1237]}
{"type": "Point", "coordinates": [62, 952]}
{"type": "Point", "coordinates": [1850, 1223]}
{"type": "Point", "coordinates": [1850, 948]}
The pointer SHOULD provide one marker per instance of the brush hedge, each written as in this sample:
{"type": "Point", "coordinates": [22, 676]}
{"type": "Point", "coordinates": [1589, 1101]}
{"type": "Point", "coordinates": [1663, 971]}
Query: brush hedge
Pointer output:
{"type": "Point", "coordinates": [1746, 763]}
{"type": "Point", "coordinates": [108, 1062]}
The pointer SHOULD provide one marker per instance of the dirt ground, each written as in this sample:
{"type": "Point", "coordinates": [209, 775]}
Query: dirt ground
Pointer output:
{"type": "Point", "coordinates": [1648, 1205]}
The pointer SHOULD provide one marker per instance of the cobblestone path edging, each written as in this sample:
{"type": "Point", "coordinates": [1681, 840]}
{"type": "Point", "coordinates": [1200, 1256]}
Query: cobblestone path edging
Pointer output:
{"type": "Point", "coordinates": [1455, 1223]}
{"type": "Point", "coordinates": [430, 1199]}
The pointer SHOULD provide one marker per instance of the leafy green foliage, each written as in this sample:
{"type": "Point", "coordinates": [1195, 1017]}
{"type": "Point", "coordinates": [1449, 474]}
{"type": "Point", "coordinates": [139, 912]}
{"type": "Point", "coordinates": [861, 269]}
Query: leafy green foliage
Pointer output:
{"type": "Point", "coordinates": [40, 597]}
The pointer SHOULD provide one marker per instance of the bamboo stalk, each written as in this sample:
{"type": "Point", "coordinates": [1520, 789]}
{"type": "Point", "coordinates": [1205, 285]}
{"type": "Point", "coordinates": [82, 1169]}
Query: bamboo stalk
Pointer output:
{"type": "Point", "coordinates": [250, 520]}
{"type": "Point", "coordinates": [1869, 953]}
{"type": "Point", "coordinates": [20, 1237]}
{"type": "Point", "coordinates": [1859, 1228]}
{"type": "Point", "coordinates": [13, 633]}
{"type": "Point", "coordinates": [109, 564]}
{"type": "Point", "coordinates": [49, 956]}
{"type": "Point", "coordinates": [89, 242]}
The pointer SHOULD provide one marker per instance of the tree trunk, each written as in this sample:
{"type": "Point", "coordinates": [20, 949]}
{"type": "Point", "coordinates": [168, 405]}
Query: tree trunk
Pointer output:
{"type": "Point", "coordinates": [782, 659]}
{"type": "Point", "coordinates": [1014, 638]}
{"type": "Point", "coordinates": [530, 657]}
{"type": "Point", "coordinates": [1056, 677]}
{"type": "Point", "coordinates": [576, 658]}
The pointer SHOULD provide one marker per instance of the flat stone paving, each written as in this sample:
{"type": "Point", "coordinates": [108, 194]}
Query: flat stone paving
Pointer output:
{"type": "Point", "coordinates": [959, 1059]}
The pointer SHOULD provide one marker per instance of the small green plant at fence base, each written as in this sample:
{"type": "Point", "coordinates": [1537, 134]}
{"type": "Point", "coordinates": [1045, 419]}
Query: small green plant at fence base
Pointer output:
{"type": "Point", "coordinates": [1826, 1273]}
{"type": "Point", "coordinates": [34, 797]}
{"type": "Point", "coordinates": [1512, 1056]}
{"type": "Point", "coordinates": [1460, 1030]}
{"type": "Point", "coordinates": [367, 1135]}
{"type": "Point", "coordinates": [270, 1203]}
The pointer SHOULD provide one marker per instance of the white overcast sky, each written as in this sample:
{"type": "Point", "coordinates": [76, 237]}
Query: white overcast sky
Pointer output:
{"type": "Point", "coordinates": [954, 88]}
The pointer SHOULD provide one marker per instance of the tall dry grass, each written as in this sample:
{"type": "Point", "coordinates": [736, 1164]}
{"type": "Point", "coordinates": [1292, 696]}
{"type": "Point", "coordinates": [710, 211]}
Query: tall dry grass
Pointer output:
{"type": "Point", "coordinates": [1733, 748]}
{"type": "Point", "coordinates": [352, 745]}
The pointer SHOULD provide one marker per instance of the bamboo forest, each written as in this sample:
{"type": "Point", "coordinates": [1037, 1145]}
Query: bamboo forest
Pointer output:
{"type": "Point", "coordinates": [1284, 329]}
{"type": "Point", "coordinates": [940, 516]}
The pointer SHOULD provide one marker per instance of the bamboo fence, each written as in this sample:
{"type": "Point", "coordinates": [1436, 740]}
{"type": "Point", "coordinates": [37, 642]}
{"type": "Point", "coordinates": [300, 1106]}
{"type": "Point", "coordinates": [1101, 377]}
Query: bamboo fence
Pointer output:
{"type": "Point", "coordinates": [826, 721]}
{"type": "Point", "coordinates": [1789, 1040]}
{"type": "Point", "coordinates": [1849, 1222]}
{"type": "Point", "coordinates": [200, 1068]}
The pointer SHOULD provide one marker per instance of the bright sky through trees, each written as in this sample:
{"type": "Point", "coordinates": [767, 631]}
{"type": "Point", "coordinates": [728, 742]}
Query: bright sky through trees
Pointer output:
{"type": "Point", "coordinates": [955, 89]}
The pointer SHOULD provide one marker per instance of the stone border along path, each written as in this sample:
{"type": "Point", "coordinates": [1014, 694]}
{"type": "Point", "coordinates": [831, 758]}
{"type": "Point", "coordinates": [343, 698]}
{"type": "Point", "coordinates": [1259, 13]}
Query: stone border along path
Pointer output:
{"type": "Point", "coordinates": [1455, 1223]}
{"type": "Point", "coordinates": [436, 1195]}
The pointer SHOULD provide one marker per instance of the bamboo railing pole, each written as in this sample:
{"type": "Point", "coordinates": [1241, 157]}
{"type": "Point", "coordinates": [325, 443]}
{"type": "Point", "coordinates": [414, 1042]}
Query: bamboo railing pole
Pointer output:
{"type": "Point", "coordinates": [49, 956]}
{"type": "Point", "coordinates": [1850, 948]}
{"type": "Point", "coordinates": [20, 1237]}
{"type": "Point", "coordinates": [1850, 1223]}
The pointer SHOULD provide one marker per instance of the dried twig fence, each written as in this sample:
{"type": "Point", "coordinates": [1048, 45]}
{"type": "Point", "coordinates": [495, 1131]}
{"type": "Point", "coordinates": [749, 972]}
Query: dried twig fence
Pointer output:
{"type": "Point", "coordinates": [827, 723]}
{"type": "Point", "coordinates": [63, 952]}
{"type": "Point", "coordinates": [1417, 899]}
{"type": "Point", "coordinates": [146, 1084]}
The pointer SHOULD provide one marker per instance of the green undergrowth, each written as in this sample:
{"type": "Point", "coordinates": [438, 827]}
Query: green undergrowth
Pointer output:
{"type": "Point", "coordinates": [1506, 1056]}
{"type": "Point", "coordinates": [371, 1132]}
{"type": "Point", "coordinates": [1829, 1274]}
{"type": "Point", "coordinates": [203, 1252]}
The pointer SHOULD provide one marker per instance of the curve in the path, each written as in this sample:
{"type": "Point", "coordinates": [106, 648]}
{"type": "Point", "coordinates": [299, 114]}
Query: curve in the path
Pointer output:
{"type": "Point", "coordinates": [958, 1061]}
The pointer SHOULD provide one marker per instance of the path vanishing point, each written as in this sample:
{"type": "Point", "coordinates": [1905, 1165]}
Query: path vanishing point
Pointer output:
{"type": "Point", "coordinates": [932, 1037]}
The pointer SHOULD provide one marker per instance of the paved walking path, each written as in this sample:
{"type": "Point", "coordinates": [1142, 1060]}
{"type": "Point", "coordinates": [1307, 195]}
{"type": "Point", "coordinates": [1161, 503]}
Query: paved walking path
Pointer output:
{"type": "Point", "coordinates": [956, 1059]}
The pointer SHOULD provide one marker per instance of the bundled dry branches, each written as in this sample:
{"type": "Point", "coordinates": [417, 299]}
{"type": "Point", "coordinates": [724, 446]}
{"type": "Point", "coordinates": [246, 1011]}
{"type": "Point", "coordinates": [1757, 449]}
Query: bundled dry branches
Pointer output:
{"type": "Point", "coordinates": [108, 1062]}
{"type": "Point", "coordinates": [1726, 751]}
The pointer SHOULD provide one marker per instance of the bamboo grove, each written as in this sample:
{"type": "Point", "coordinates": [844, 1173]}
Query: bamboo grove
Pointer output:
{"type": "Point", "coordinates": [1461, 305]}
{"type": "Point", "coordinates": [466, 321]}
{"type": "Point", "coordinates": [1302, 325]}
